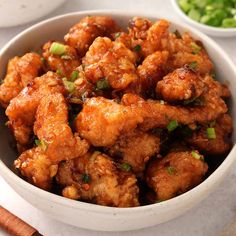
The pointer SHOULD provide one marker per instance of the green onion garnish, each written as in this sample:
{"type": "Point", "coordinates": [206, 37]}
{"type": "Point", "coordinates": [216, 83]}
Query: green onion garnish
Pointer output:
{"type": "Point", "coordinates": [70, 86]}
{"type": "Point", "coordinates": [102, 84]}
{"type": "Point", "coordinates": [196, 49]}
{"type": "Point", "coordinates": [117, 35]}
{"type": "Point", "coordinates": [59, 72]}
{"type": "Point", "coordinates": [86, 178]}
{"type": "Point", "coordinates": [211, 134]}
{"type": "Point", "coordinates": [170, 170]}
{"type": "Point", "coordinates": [137, 48]}
{"type": "Point", "coordinates": [74, 75]}
{"type": "Point", "coordinates": [43, 60]}
{"type": "Point", "coordinates": [41, 143]}
{"type": "Point", "coordinates": [126, 167]}
{"type": "Point", "coordinates": [193, 65]}
{"type": "Point", "coordinates": [57, 49]}
{"type": "Point", "coordinates": [66, 57]}
{"type": "Point", "coordinates": [172, 125]}
{"type": "Point", "coordinates": [196, 155]}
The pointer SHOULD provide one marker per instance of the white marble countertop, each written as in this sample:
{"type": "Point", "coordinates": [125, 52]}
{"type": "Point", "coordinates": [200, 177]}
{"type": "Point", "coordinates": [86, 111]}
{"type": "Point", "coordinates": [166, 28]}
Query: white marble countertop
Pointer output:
{"type": "Point", "coordinates": [207, 219]}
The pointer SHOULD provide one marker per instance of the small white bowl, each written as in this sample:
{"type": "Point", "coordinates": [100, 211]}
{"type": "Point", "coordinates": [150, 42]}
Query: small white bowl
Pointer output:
{"type": "Point", "coordinates": [17, 12]}
{"type": "Point", "coordinates": [91, 216]}
{"type": "Point", "coordinates": [209, 30]}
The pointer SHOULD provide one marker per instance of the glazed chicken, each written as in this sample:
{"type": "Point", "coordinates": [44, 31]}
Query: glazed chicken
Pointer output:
{"type": "Point", "coordinates": [117, 116]}
{"type": "Point", "coordinates": [96, 178]}
{"type": "Point", "coordinates": [20, 72]}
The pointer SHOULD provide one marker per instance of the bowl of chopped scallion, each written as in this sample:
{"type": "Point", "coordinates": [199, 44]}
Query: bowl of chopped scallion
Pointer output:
{"type": "Point", "coordinates": [213, 17]}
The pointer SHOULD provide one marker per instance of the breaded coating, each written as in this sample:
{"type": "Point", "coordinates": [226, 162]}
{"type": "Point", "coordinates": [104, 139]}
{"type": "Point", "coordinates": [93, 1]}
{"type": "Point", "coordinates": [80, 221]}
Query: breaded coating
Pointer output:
{"type": "Point", "coordinates": [36, 168]}
{"type": "Point", "coordinates": [135, 148]}
{"type": "Point", "coordinates": [52, 128]}
{"type": "Point", "coordinates": [82, 34]}
{"type": "Point", "coordinates": [98, 180]}
{"type": "Point", "coordinates": [21, 110]}
{"type": "Point", "coordinates": [63, 64]}
{"type": "Point", "coordinates": [176, 173]}
{"type": "Point", "coordinates": [102, 121]}
{"type": "Point", "coordinates": [181, 84]}
{"type": "Point", "coordinates": [20, 72]}
{"type": "Point", "coordinates": [152, 69]}
{"type": "Point", "coordinates": [221, 144]}
{"type": "Point", "coordinates": [110, 60]}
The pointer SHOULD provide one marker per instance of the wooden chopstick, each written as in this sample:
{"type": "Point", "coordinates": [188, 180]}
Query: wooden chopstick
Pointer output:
{"type": "Point", "coordinates": [14, 225]}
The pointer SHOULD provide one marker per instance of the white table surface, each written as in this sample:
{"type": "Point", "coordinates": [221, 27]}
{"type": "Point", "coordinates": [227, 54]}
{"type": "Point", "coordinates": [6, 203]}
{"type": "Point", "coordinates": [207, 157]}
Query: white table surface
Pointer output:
{"type": "Point", "coordinates": [207, 219]}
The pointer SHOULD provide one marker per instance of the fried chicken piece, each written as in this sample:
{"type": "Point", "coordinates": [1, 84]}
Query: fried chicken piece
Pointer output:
{"type": "Point", "coordinates": [221, 144]}
{"type": "Point", "coordinates": [110, 60]}
{"type": "Point", "coordinates": [152, 69]}
{"type": "Point", "coordinates": [21, 110]}
{"type": "Point", "coordinates": [36, 168]}
{"type": "Point", "coordinates": [52, 128]}
{"type": "Point", "coordinates": [98, 179]}
{"type": "Point", "coordinates": [64, 64]}
{"type": "Point", "coordinates": [185, 50]}
{"type": "Point", "coordinates": [176, 173]}
{"type": "Point", "coordinates": [102, 121]}
{"type": "Point", "coordinates": [135, 148]}
{"type": "Point", "coordinates": [181, 84]}
{"type": "Point", "coordinates": [82, 34]}
{"type": "Point", "coordinates": [156, 114]}
{"type": "Point", "coordinates": [56, 142]}
{"type": "Point", "coordinates": [20, 72]}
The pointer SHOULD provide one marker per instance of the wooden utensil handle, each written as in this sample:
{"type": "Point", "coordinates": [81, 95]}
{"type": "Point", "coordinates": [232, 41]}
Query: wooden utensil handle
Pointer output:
{"type": "Point", "coordinates": [14, 225]}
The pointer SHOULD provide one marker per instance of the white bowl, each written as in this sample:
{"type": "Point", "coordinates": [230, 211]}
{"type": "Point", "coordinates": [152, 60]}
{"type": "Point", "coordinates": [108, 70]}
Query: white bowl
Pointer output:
{"type": "Point", "coordinates": [17, 12]}
{"type": "Point", "coordinates": [92, 216]}
{"type": "Point", "coordinates": [209, 30]}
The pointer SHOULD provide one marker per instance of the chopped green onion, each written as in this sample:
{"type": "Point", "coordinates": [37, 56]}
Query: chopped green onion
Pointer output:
{"type": "Point", "coordinates": [86, 178]}
{"type": "Point", "coordinates": [59, 72]}
{"type": "Point", "coordinates": [66, 57]}
{"type": "Point", "coordinates": [70, 86]}
{"type": "Point", "coordinates": [137, 48]}
{"type": "Point", "coordinates": [74, 75]}
{"type": "Point", "coordinates": [211, 134]}
{"type": "Point", "coordinates": [170, 170]}
{"type": "Point", "coordinates": [193, 65]}
{"type": "Point", "coordinates": [196, 155]}
{"type": "Point", "coordinates": [185, 5]}
{"type": "Point", "coordinates": [229, 23]}
{"type": "Point", "coordinates": [102, 84]}
{"type": "Point", "coordinates": [57, 49]}
{"type": "Point", "coordinates": [172, 125]}
{"type": "Point", "coordinates": [126, 167]}
{"type": "Point", "coordinates": [43, 60]}
{"type": "Point", "coordinates": [117, 35]}
{"type": "Point", "coordinates": [196, 49]}
{"type": "Point", "coordinates": [41, 143]}
{"type": "Point", "coordinates": [194, 14]}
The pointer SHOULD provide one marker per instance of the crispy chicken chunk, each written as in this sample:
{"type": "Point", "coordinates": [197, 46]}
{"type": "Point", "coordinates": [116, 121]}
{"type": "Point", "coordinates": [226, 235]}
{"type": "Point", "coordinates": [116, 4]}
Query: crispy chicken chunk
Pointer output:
{"type": "Point", "coordinates": [56, 142]}
{"type": "Point", "coordinates": [20, 72]}
{"type": "Point", "coordinates": [102, 121]}
{"type": "Point", "coordinates": [181, 84]}
{"type": "Point", "coordinates": [82, 35]}
{"type": "Point", "coordinates": [221, 144]}
{"type": "Point", "coordinates": [135, 148]}
{"type": "Point", "coordinates": [52, 128]}
{"type": "Point", "coordinates": [175, 174]}
{"type": "Point", "coordinates": [21, 110]}
{"type": "Point", "coordinates": [110, 60]}
{"type": "Point", "coordinates": [96, 178]}
{"type": "Point", "coordinates": [64, 64]}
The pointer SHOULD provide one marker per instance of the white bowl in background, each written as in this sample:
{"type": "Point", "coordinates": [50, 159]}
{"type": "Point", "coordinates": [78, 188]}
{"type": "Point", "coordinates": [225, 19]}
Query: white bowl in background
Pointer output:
{"type": "Point", "coordinates": [91, 216]}
{"type": "Point", "coordinates": [209, 30]}
{"type": "Point", "coordinates": [17, 12]}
